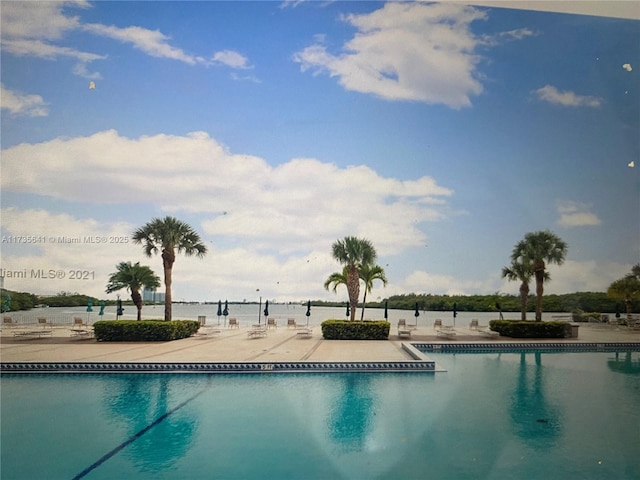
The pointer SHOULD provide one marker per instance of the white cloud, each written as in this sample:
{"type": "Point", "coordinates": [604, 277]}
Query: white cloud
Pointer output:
{"type": "Point", "coordinates": [38, 29]}
{"type": "Point", "coordinates": [406, 51]}
{"type": "Point", "coordinates": [231, 58]}
{"type": "Point", "coordinates": [299, 206]}
{"type": "Point", "coordinates": [19, 104]}
{"type": "Point", "coordinates": [151, 42]}
{"type": "Point", "coordinates": [551, 94]}
{"type": "Point", "coordinates": [627, 67]}
{"type": "Point", "coordinates": [38, 20]}
{"type": "Point", "coordinates": [574, 214]}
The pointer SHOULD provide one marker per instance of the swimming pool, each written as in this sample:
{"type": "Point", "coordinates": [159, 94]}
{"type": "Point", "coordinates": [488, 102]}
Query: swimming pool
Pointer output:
{"type": "Point", "coordinates": [491, 415]}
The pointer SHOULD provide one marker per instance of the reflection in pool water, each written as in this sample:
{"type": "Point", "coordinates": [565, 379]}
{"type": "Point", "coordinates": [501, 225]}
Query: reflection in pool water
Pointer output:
{"type": "Point", "coordinates": [491, 415]}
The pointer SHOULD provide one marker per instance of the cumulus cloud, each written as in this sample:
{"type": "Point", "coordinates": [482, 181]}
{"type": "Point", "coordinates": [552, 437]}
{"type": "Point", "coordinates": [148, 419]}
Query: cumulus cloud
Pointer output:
{"type": "Point", "coordinates": [38, 29]}
{"type": "Point", "coordinates": [551, 94]}
{"type": "Point", "coordinates": [18, 104]}
{"type": "Point", "coordinates": [574, 214]}
{"type": "Point", "coordinates": [231, 58]}
{"type": "Point", "coordinates": [301, 205]}
{"type": "Point", "coordinates": [151, 42]}
{"type": "Point", "coordinates": [406, 51]}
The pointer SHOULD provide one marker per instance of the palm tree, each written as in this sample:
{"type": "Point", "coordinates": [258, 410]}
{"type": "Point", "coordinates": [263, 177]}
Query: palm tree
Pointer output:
{"type": "Point", "coordinates": [169, 236]}
{"type": "Point", "coordinates": [368, 274]}
{"type": "Point", "coordinates": [635, 272]}
{"type": "Point", "coordinates": [336, 279]}
{"type": "Point", "coordinates": [133, 278]}
{"type": "Point", "coordinates": [538, 249]}
{"type": "Point", "coordinates": [353, 253]}
{"type": "Point", "coordinates": [627, 288]}
{"type": "Point", "coordinates": [523, 273]}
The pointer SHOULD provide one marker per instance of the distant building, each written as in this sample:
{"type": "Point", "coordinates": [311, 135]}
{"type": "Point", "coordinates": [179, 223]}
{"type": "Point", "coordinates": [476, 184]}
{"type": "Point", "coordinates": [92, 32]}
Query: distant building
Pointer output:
{"type": "Point", "coordinates": [151, 296]}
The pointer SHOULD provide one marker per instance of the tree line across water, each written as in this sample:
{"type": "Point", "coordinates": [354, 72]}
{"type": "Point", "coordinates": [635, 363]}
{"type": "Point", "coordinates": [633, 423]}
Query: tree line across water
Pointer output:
{"type": "Point", "coordinates": [568, 302]}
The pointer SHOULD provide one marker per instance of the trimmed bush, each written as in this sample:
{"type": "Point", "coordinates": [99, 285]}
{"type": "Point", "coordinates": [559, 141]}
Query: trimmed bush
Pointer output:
{"type": "Point", "coordinates": [580, 316]}
{"type": "Point", "coordinates": [530, 329]}
{"type": "Point", "coordinates": [347, 330]}
{"type": "Point", "coordinates": [144, 330]}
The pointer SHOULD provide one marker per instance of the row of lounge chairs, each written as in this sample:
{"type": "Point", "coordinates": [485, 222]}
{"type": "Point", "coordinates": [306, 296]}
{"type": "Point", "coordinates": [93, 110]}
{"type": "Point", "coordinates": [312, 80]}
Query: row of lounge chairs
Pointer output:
{"type": "Point", "coordinates": [44, 328]}
{"type": "Point", "coordinates": [405, 331]}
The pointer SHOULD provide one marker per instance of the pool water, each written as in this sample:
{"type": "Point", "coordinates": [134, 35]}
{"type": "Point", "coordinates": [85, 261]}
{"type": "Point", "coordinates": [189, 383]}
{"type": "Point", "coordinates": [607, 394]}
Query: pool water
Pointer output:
{"type": "Point", "coordinates": [491, 415]}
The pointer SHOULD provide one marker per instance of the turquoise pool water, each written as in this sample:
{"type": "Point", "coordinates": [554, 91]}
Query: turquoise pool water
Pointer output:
{"type": "Point", "coordinates": [491, 415]}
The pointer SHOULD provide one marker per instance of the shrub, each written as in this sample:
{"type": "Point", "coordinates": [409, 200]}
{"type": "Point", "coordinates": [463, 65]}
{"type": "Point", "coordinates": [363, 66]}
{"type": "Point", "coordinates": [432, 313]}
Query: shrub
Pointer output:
{"type": "Point", "coordinates": [530, 329]}
{"type": "Point", "coordinates": [143, 331]}
{"type": "Point", "coordinates": [347, 330]}
{"type": "Point", "coordinates": [580, 316]}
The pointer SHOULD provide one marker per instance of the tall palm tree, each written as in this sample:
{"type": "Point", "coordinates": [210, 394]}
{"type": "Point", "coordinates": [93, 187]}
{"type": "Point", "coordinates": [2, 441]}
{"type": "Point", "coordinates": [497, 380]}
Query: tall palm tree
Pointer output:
{"type": "Point", "coordinates": [353, 253]}
{"type": "Point", "coordinates": [133, 278]}
{"type": "Point", "coordinates": [369, 273]}
{"type": "Point", "coordinates": [523, 273]}
{"type": "Point", "coordinates": [627, 289]}
{"type": "Point", "coordinates": [169, 236]}
{"type": "Point", "coordinates": [538, 249]}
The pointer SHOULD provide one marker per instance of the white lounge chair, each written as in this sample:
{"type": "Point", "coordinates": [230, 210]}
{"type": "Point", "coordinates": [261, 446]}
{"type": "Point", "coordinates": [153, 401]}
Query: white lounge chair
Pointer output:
{"type": "Point", "coordinates": [291, 323]}
{"type": "Point", "coordinates": [305, 332]}
{"type": "Point", "coordinates": [257, 331]}
{"type": "Point", "coordinates": [446, 331]}
{"type": "Point", "coordinates": [473, 325]}
{"type": "Point", "coordinates": [486, 332]}
{"type": "Point", "coordinates": [80, 330]}
{"type": "Point", "coordinates": [233, 323]}
{"type": "Point", "coordinates": [437, 323]}
{"type": "Point", "coordinates": [271, 323]}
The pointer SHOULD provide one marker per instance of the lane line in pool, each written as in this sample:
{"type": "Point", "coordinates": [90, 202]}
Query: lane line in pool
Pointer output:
{"type": "Point", "coordinates": [136, 436]}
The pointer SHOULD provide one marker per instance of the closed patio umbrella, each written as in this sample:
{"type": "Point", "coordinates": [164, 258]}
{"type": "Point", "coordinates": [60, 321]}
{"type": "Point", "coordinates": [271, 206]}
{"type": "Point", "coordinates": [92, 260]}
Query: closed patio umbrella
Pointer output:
{"type": "Point", "coordinates": [386, 310]}
{"type": "Point", "coordinates": [416, 314]}
{"type": "Point", "coordinates": [455, 313]}
{"type": "Point", "coordinates": [348, 310]}
{"type": "Point", "coordinates": [266, 308]}
{"type": "Point", "coordinates": [225, 312]}
{"type": "Point", "coordinates": [308, 314]}
{"type": "Point", "coordinates": [219, 313]}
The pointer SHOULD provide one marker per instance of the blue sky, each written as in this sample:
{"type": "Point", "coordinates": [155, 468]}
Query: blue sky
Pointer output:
{"type": "Point", "coordinates": [442, 132]}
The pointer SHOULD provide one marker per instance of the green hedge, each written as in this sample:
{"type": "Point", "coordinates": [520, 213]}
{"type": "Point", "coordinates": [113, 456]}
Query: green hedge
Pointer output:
{"type": "Point", "coordinates": [144, 330]}
{"type": "Point", "coordinates": [530, 329]}
{"type": "Point", "coordinates": [346, 330]}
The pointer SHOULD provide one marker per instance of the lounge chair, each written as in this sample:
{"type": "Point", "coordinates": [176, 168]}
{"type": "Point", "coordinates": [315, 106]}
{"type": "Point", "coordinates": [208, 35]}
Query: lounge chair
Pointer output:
{"type": "Point", "coordinates": [291, 323]}
{"type": "Point", "coordinates": [486, 332]}
{"type": "Point", "coordinates": [80, 330]}
{"type": "Point", "coordinates": [305, 332]}
{"type": "Point", "coordinates": [32, 333]}
{"type": "Point", "coordinates": [437, 323]}
{"type": "Point", "coordinates": [404, 331]}
{"type": "Point", "coordinates": [233, 323]}
{"type": "Point", "coordinates": [446, 331]}
{"type": "Point", "coordinates": [8, 322]}
{"type": "Point", "coordinates": [42, 321]}
{"type": "Point", "coordinates": [271, 323]}
{"type": "Point", "coordinates": [257, 331]}
{"type": "Point", "coordinates": [474, 324]}
{"type": "Point", "coordinates": [206, 330]}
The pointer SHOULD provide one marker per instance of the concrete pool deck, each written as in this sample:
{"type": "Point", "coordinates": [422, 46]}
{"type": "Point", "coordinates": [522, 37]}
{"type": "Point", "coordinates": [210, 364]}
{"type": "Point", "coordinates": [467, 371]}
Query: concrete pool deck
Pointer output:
{"type": "Point", "coordinates": [279, 345]}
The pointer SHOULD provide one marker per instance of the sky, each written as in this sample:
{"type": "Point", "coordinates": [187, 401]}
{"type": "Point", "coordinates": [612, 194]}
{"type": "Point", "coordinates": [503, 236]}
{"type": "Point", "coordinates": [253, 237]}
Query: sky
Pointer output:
{"type": "Point", "coordinates": [441, 132]}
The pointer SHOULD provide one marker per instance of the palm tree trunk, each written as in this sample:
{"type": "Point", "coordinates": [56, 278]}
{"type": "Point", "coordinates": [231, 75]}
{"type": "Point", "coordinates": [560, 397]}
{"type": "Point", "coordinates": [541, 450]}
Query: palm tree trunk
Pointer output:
{"type": "Point", "coordinates": [137, 301]}
{"type": "Point", "coordinates": [364, 302]}
{"type": "Point", "coordinates": [353, 287]}
{"type": "Point", "coordinates": [168, 258]}
{"type": "Point", "coordinates": [539, 291]}
{"type": "Point", "coordinates": [524, 296]}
